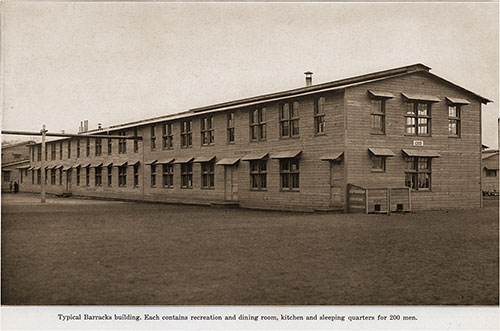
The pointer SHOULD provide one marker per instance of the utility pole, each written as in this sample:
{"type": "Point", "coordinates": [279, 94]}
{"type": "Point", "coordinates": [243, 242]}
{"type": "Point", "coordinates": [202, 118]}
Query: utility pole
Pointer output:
{"type": "Point", "coordinates": [42, 167]}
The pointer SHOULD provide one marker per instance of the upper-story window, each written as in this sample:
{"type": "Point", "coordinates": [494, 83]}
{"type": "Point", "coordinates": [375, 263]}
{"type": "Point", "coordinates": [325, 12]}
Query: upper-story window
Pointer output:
{"type": "Point", "coordinates": [39, 153]}
{"type": "Point", "coordinates": [207, 130]}
{"type": "Point", "coordinates": [168, 136]}
{"type": "Point", "coordinates": [418, 118]}
{"type": "Point", "coordinates": [46, 153]}
{"type": "Point", "coordinates": [377, 115]}
{"type": "Point", "coordinates": [53, 151]}
{"type": "Point", "coordinates": [258, 124]}
{"type": "Point", "coordinates": [122, 143]}
{"type": "Point", "coordinates": [186, 134]}
{"type": "Point", "coordinates": [289, 119]}
{"type": "Point", "coordinates": [319, 115]}
{"type": "Point", "coordinates": [110, 146]}
{"type": "Point", "coordinates": [78, 147]}
{"type": "Point", "coordinates": [153, 137]}
{"type": "Point", "coordinates": [60, 150]}
{"type": "Point", "coordinates": [454, 120]}
{"type": "Point", "coordinates": [98, 146]}
{"type": "Point", "coordinates": [230, 127]}
{"type": "Point", "coordinates": [136, 142]}
{"type": "Point", "coordinates": [87, 147]}
{"type": "Point", "coordinates": [69, 149]}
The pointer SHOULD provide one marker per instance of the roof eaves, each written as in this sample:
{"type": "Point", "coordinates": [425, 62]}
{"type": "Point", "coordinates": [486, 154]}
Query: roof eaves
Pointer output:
{"type": "Point", "coordinates": [482, 99]}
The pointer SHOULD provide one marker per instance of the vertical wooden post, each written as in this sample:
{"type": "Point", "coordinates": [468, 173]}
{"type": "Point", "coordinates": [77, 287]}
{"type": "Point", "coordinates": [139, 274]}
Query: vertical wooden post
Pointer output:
{"type": "Point", "coordinates": [388, 201]}
{"type": "Point", "coordinates": [347, 205]}
{"type": "Point", "coordinates": [42, 167]}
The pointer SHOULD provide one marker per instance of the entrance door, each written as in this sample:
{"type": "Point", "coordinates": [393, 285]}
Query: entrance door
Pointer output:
{"type": "Point", "coordinates": [230, 186]}
{"type": "Point", "coordinates": [336, 183]}
{"type": "Point", "coordinates": [68, 180]}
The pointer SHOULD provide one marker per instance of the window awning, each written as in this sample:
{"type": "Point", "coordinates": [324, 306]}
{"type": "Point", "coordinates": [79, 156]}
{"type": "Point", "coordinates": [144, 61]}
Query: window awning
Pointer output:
{"type": "Point", "coordinates": [107, 164]}
{"type": "Point", "coordinates": [77, 166]}
{"type": "Point", "coordinates": [379, 94]}
{"type": "Point", "coordinates": [58, 167]}
{"type": "Point", "coordinates": [457, 101]}
{"type": "Point", "coordinates": [85, 165]}
{"type": "Point", "coordinates": [204, 159]}
{"type": "Point", "coordinates": [151, 162]}
{"type": "Point", "coordinates": [491, 167]}
{"type": "Point", "coordinates": [31, 168]}
{"type": "Point", "coordinates": [133, 163]}
{"type": "Point", "coordinates": [420, 153]}
{"type": "Point", "coordinates": [23, 167]}
{"type": "Point", "coordinates": [167, 161]}
{"type": "Point", "coordinates": [332, 156]}
{"type": "Point", "coordinates": [52, 166]}
{"type": "Point", "coordinates": [65, 168]}
{"type": "Point", "coordinates": [96, 165]}
{"type": "Point", "coordinates": [255, 156]}
{"type": "Point", "coordinates": [381, 151]}
{"type": "Point", "coordinates": [228, 162]}
{"type": "Point", "coordinates": [286, 155]}
{"type": "Point", "coordinates": [183, 160]}
{"type": "Point", "coordinates": [36, 168]}
{"type": "Point", "coordinates": [420, 97]}
{"type": "Point", "coordinates": [120, 164]}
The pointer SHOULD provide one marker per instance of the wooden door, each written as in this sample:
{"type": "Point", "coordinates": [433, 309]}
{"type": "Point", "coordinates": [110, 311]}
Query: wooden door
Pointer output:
{"type": "Point", "coordinates": [230, 186]}
{"type": "Point", "coordinates": [336, 181]}
{"type": "Point", "coordinates": [68, 180]}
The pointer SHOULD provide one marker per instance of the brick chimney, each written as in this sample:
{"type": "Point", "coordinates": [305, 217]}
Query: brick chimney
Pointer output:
{"type": "Point", "coordinates": [309, 78]}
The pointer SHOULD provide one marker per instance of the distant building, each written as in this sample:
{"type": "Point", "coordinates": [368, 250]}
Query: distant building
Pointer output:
{"type": "Point", "coordinates": [15, 162]}
{"type": "Point", "coordinates": [385, 141]}
{"type": "Point", "coordinates": [489, 181]}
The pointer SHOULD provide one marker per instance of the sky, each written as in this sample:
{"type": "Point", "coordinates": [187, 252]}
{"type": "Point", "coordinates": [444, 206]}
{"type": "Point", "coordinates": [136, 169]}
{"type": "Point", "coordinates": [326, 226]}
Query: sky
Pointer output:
{"type": "Point", "coordinates": [111, 63]}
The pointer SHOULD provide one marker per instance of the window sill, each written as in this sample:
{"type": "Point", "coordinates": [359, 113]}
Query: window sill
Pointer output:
{"type": "Point", "coordinates": [378, 171]}
{"type": "Point", "coordinates": [186, 188]}
{"type": "Point", "coordinates": [208, 188]}
{"type": "Point", "coordinates": [378, 133]}
{"type": "Point", "coordinates": [455, 137]}
{"type": "Point", "coordinates": [257, 140]}
{"type": "Point", "coordinates": [185, 147]}
{"type": "Point", "coordinates": [258, 189]}
{"type": "Point", "coordinates": [319, 134]}
{"type": "Point", "coordinates": [419, 136]}
{"type": "Point", "coordinates": [168, 187]}
{"type": "Point", "coordinates": [207, 145]}
{"type": "Point", "coordinates": [288, 190]}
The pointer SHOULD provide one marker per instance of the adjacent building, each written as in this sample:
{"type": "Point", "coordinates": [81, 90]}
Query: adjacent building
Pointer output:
{"type": "Point", "coordinates": [489, 181]}
{"type": "Point", "coordinates": [15, 163]}
{"type": "Point", "coordinates": [392, 140]}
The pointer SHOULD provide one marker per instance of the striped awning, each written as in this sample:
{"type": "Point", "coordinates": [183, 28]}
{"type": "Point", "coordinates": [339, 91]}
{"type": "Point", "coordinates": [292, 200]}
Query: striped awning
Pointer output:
{"type": "Point", "coordinates": [228, 162]}
{"type": "Point", "coordinates": [420, 97]}
{"type": "Point", "coordinates": [379, 94]}
{"type": "Point", "coordinates": [255, 156]}
{"type": "Point", "coordinates": [420, 153]}
{"type": "Point", "coordinates": [381, 151]}
{"type": "Point", "coordinates": [457, 101]}
{"type": "Point", "coordinates": [286, 155]}
{"type": "Point", "coordinates": [332, 156]}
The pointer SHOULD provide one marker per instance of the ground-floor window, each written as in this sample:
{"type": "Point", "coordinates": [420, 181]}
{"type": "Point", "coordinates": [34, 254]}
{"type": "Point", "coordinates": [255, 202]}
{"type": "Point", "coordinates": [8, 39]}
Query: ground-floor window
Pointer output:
{"type": "Point", "coordinates": [6, 176]}
{"type": "Point", "coordinates": [418, 173]}
{"type": "Point", "coordinates": [122, 175]}
{"type": "Point", "coordinates": [52, 176]}
{"type": "Point", "coordinates": [187, 175]}
{"type": "Point", "coordinates": [39, 177]}
{"type": "Point", "coordinates": [110, 175]}
{"type": "Point", "coordinates": [136, 175]}
{"type": "Point", "coordinates": [98, 176]}
{"type": "Point", "coordinates": [490, 172]}
{"type": "Point", "coordinates": [378, 163]}
{"type": "Point", "coordinates": [258, 174]}
{"type": "Point", "coordinates": [289, 174]}
{"type": "Point", "coordinates": [60, 176]}
{"type": "Point", "coordinates": [153, 175]}
{"type": "Point", "coordinates": [32, 177]}
{"type": "Point", "coordinates": [208, 174]}
{"type": "Point", "coordinates": [87, 176]}
{"type": "Point", "coordinates": [78, 175]}
{"type": "Point", "coordinates": [168, 175]}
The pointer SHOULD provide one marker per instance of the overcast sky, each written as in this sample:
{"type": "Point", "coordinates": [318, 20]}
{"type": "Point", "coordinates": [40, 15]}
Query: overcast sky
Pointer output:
{"type": "Point", "coordinates": [117, 62]}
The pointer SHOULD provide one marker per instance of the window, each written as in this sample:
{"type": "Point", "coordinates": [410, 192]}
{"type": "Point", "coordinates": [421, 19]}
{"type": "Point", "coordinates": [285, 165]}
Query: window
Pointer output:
{"type": "Point", "coordinates": [87, 147]}
{"type": "Point", "coordinates": [258, 124]}
{"type": "Point", "coordinates": [289, 174]}
{"type": "Point", "coordinates": [153, 175]}
{"type": "Point", "coordinates": [136, 142]}
{"type": "Point", "coordinates": [208, 174]}
{"type": "Point", "coordinates": [167, 135]}
{"type": "Point", "coordinates": [122, 143]}
{"type": "Point", "coordinates": [32, 153]}
{"type": "Point", "coordinates": [136, 175]}
{"type": "Point", "coordinates": [78, 175]}
{"type": "Point", "coordinates": [319, 115]}
{"type": "Point", "coordinates": [168, 175]}
{"type": "Point", "coordinates": [258, 174]}
{"type": "Point", "coordinates": [60, 150]}
{"type": "Point", "coordinates": [39, 177]}
{"type": "Point", "coordinates": [153, 137]}
{"type": "Point", "coordinates": [98, 146]}
{"type": "Point", "coordinates": [69, 149]}
{"type": "Point", "coordinates": [418, 118]}
{"type": "Point", "coordinates": [230, 127]}
{"type": "Point", "coordinates": [289, 119]}
{"type": "Point", "coordinates": [187, 175]}
{"type": "Point", "coordinates": [207, 130]}
{"type": "Point", "coordinates": [77, 147]}
{"type": "Point", "coordinates": [39, 153]}
{"type": "Point", "coordinates": [46, 175]}
{"type": "Point", "coordinates": [52, 176]}
{"type": "Point", "coordinates": [378, 116]}
{"type": "Point", "coordinates": [122, 175]}
{"type": "Point", "coordinates": [418, 173]}
{"type": "Point", "coordinates": [87, 176]}
{"type": "Point", "coordinates": [60, 175]}
{"type": "Point", "coordinates": [98, 176]}
{"type": "Point", "coordinates": [378, 163]}
{"type": "Point", "coordinates": [186, 134]}
{"type": "Point", "coordinates": [490, 172]}
{"type": "Point", "coordinates": [110, 146]}
{"type": "Point", "coordinates": [53, 151]}
{"type": "Point", "coordinates": [454, 120]}
{"type": "Point", "coordinates": [110, 175]}
{"type": "Point", "coordinates": [6, 176]}
{"type": "Point", "coordinates": [32, 177]}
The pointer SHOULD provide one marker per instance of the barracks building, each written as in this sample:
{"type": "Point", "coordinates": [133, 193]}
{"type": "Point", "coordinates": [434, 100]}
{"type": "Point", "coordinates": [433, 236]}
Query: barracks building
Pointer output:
{"type": "Point", "coordinates": [395, 140]}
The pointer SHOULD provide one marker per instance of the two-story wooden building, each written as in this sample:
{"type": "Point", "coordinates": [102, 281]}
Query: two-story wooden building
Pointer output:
{"type": "Point", "coordinates": [396, 139]}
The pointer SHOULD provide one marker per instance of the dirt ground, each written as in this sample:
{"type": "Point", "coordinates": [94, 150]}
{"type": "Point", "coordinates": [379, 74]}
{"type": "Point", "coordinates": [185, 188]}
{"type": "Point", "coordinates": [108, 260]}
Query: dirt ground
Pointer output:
{"type": "Point", "coordinates": [86, 252]}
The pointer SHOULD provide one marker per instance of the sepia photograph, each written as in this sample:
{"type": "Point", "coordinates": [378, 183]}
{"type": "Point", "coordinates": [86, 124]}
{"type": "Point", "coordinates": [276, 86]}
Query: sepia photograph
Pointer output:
{"type": "Point", "coordinates": [231, 155]}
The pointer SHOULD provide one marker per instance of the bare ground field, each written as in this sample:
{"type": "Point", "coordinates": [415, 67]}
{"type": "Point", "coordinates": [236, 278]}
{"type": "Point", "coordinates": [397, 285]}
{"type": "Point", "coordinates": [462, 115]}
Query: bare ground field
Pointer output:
{"type": "Point", "coordinates": [88, 252]}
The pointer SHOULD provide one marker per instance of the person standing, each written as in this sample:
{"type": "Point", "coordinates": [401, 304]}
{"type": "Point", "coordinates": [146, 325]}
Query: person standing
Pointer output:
{"type": "Point", "coordinates": [16, 187]}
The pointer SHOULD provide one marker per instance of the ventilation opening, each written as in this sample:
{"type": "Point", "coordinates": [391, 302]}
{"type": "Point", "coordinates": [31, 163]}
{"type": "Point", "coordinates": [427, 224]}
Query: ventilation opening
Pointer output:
{"type": "Point", "coordinates": [399, 207]}
{"type": "Point", "coordinates": [377, 207]}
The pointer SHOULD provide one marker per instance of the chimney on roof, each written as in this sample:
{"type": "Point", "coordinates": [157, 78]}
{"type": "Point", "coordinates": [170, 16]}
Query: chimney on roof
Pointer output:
{"type": "Point", "coordinates": [86, 126]}
{"type": "Point", "coordinates": [309, 78]}
{"type": "Point", "coordinates": [99, 126]}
